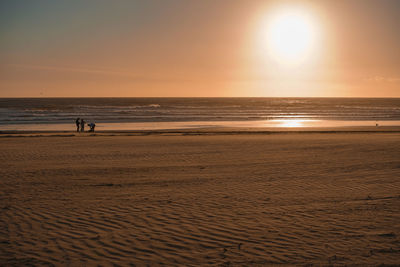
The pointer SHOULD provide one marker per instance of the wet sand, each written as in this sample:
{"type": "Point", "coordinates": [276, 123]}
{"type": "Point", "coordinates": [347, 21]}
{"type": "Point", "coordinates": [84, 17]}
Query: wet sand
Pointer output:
{"type": "Point", "coordinates": [270, 125]}
{"type": "Point", "coordinates": [200, 199]}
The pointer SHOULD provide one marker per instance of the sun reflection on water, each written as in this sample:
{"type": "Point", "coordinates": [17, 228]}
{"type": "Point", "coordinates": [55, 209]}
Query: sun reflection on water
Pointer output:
{"type": "Point", "coordinates": [292, 123]}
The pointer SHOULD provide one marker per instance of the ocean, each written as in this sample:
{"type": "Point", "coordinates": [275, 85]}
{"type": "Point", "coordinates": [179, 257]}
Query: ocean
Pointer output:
{"type": "Point", "coordinates": [173, 113]}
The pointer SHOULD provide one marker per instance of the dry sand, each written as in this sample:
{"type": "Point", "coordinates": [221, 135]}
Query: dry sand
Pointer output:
{"type": "Point", "coordinates": [240, 199]}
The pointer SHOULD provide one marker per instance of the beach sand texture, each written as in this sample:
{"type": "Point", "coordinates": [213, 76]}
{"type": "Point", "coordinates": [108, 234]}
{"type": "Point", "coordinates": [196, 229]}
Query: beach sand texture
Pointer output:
{"type": "Point", "coordinates": [242, 200]}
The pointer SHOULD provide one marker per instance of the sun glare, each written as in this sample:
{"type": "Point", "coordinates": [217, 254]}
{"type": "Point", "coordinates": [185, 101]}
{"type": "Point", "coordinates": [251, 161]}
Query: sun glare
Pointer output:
{"type": "Point", "coordinates": [290, 36]}
{"type": "Point", "coordinates": [290, 123]}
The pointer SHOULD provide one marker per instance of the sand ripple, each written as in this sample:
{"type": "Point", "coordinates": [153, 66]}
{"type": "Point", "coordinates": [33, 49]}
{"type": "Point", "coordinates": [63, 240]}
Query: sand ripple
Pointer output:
{"type": "Point", "coordinates": [203, 200]}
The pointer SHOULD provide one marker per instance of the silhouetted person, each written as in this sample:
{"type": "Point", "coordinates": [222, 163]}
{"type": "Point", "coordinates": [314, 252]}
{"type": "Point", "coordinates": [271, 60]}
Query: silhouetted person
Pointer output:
{"type": "Point", "coordinates": [92, 125]}
{"type": "Point", "coordinates": [82, 125]}
{"type": "Point", "coordinates": [77, 124]}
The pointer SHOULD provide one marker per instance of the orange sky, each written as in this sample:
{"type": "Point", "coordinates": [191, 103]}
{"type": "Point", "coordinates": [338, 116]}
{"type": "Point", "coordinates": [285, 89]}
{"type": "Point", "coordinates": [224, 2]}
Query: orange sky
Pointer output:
{"type": "Point", "coordinates": [193, 48]}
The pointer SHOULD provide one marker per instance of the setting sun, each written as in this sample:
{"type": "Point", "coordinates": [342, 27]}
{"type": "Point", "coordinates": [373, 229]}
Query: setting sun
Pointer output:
{"type": "Point", "coordinates": [291, 36]}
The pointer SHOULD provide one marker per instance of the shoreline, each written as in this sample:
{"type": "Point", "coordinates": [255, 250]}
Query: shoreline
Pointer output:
{"type": "Point", "coordinates": [254, 125]}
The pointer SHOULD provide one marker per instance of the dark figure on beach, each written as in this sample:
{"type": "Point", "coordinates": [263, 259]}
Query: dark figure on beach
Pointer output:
{"type": "Point", "coordinates": [77, 124]}
{"type": "Point", "coordinates": [82, 125]}
{"type": "Point", "coordinates": [92, 125]}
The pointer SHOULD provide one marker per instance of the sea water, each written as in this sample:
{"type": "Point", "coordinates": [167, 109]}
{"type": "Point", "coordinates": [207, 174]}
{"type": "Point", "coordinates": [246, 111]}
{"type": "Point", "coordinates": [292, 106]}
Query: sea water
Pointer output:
{"type": "Point", "coordinates": [178, 113]}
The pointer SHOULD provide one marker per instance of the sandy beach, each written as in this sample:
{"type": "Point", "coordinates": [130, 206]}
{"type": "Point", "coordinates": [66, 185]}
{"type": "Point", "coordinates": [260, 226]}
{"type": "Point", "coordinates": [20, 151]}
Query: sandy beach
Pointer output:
{"type": "Point", "coordinates": [200, 199]}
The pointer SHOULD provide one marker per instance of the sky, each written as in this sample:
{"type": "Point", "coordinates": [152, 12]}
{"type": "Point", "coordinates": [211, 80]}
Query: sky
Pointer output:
{"type": "Point", "coordinates": [197, 48]}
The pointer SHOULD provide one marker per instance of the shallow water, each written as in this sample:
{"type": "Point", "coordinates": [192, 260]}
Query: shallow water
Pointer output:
{"type": "Point", "coordinates": [128, 126]}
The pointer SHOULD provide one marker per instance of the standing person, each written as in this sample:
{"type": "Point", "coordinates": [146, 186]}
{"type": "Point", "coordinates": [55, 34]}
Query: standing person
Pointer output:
{"type": "Point", "coordinates": [82, 125]}
{"type": "Point", "coordinates": [77, 124]}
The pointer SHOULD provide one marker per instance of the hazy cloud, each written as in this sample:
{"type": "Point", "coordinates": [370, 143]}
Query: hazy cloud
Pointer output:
{"type": "Point", "coordinates": [383, 79]}
{"type": "Point", "coordinates": [100, 72]}
{"type": "Point", "coordinates": [68, 69]}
